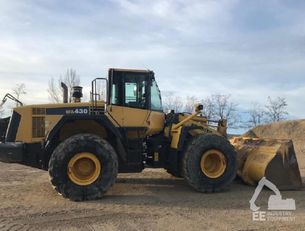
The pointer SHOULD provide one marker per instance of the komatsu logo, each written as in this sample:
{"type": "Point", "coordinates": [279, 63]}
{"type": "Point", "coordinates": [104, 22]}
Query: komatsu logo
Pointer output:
{"type": "Point", "coordinates": [283, 207]}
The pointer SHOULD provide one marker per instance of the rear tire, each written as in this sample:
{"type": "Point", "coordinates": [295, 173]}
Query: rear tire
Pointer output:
{"type": "Point", "coordinates": [104, 166]}
{"type": "Point", "coordinates": [221, 174]}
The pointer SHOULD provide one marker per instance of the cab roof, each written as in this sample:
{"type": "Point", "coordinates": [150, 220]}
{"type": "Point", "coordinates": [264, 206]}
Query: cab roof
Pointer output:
{"type": "Point", "coordinates": [130, 70]}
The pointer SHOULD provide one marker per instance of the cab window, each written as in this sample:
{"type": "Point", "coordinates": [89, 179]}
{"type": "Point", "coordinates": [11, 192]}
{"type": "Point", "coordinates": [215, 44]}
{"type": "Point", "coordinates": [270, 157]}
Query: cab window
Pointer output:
{"type": "Point", "coordinates": [114, 96]}
{"type": "Point", "coordinates": [156, 103]}
{"type": "Point", "coordinates": [135, 87]}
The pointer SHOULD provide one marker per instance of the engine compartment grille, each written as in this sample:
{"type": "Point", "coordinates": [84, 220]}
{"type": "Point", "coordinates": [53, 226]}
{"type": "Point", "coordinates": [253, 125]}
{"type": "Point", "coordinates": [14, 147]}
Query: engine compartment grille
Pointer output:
{"type": "Point", "coordinates": [38, 126]}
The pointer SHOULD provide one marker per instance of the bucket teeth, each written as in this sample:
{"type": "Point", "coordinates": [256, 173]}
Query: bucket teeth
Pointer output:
{"type": "Point", "coordinates": [274, 159]}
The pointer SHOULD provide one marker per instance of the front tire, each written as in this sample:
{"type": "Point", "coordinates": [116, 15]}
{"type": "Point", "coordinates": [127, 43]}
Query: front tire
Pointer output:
{"type": "Point", "coordinates": [83, 167]}
{"type": "Point", "coordinates": [209, 163]}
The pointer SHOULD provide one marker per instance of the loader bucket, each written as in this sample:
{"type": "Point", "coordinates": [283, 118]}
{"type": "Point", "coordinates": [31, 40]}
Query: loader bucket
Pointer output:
{"type": "Point", "coordinates": [274, 159]}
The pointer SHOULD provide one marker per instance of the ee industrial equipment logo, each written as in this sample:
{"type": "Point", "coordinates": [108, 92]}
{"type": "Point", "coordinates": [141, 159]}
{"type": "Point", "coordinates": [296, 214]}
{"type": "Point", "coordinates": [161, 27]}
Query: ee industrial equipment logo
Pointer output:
{"type": "Point", "coordinates": [278, 209]}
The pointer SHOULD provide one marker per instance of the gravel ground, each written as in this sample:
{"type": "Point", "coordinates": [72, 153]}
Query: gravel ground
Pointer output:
{"type": "Point", "coordinates": [152, 200]}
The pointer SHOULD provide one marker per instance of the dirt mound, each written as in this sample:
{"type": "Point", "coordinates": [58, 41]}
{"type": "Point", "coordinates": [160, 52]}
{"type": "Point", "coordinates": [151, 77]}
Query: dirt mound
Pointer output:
{"type": "Point", "coordinates": [294, 130]}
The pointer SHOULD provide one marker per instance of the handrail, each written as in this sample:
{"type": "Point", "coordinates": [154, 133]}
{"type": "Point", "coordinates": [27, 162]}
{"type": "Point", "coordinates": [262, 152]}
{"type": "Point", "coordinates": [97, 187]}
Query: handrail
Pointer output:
{"type": "Point", "coordinates": [94, 95]}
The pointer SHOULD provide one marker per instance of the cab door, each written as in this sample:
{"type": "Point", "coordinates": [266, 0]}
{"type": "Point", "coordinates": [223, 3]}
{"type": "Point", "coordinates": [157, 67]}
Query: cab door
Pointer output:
{"type": "Point", "coordinates": [143, 111]}
{"type": "Point", "coordinates": [135, 108]}
{"type": "Point", "coordinates": [129, 93]}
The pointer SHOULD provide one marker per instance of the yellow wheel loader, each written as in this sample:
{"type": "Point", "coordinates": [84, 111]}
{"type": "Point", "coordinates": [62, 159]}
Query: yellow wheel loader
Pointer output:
{"type": "Point", "coordinates": [84, 145]}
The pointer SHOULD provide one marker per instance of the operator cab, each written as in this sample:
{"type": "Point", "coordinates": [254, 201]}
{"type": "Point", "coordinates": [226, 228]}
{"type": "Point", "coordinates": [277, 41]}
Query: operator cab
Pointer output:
{"type": "Point", "coordinates": [134, 89]}
{"type": "Point", "coordinates": [133, 102]}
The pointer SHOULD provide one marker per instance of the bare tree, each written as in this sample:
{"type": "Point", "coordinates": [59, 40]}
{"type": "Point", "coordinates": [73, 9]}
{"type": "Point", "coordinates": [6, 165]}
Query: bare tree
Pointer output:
{"type": "Point", "coordinates": [256, 115]}
{"type": "Point", "coordinates": [70, 78]}
{"type": "Point", "coordinates": [214, 107]}
{"type": "Point", "coordinates": [55, 93]}
{"type": "Point", "coordinates": [208, 110]}
{"type": "Point", "coordinates": [172, 102]}
{"type": "Point", "coordinates": [18, 91]}
{"type": "Point", "coordinates": [224, 108]}
{"type": "Point", "coordinates": [190, 102]}
{"type": "Point", "coordinates": [276, 109]}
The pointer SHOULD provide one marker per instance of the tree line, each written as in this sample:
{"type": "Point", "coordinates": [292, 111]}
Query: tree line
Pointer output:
{"type": "Point", "coordinates": [221, 106]}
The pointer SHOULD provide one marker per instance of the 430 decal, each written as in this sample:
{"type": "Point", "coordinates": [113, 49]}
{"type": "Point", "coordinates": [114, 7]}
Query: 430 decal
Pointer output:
{"type": "Point", "coordinates": [78, 111]}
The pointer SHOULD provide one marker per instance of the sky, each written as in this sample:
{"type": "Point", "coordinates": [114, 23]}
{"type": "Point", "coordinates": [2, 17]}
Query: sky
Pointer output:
{"type": "Point", "coordinates": [248, 49]}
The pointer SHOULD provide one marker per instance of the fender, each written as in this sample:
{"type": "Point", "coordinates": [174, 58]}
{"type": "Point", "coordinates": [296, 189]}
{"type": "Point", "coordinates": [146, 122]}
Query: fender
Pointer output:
{"type": "Point", "coordinates": [187, 132]}
{"type": "Point", "coordinates": [101, 119]}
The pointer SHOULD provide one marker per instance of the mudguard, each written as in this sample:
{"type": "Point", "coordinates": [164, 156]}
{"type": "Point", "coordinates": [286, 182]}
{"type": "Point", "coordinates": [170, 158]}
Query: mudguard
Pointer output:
{"type": "Point", "coordinates": [102, 119]}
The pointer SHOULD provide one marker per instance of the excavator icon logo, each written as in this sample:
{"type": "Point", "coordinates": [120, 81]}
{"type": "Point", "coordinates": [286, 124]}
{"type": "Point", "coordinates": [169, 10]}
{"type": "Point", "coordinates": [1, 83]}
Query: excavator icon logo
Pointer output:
{"type": "Point", "coordinates": [275, 202]}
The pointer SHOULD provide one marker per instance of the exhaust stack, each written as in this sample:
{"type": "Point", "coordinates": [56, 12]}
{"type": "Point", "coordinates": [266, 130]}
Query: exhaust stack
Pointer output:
{"type": "Point", "coordinates": [65, 92]}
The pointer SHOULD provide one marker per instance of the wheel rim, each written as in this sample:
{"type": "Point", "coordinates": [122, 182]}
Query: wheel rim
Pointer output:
{"type": "Point", "coordinates": [84, 168]}
{"type": "Point", "coordinates": [213, 163]}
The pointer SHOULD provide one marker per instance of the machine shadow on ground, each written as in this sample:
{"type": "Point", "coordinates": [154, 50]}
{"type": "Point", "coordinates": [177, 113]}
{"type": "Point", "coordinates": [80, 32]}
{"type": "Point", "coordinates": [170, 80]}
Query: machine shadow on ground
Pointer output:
{"type": "Point", "coordinates": [173, 193]}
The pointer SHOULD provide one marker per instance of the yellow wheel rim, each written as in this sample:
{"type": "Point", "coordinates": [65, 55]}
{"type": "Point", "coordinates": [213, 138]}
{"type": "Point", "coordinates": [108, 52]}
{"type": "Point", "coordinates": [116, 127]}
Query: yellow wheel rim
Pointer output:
{"type": "Point", "coordinates": [213, 163]}
{"type": "Point", "coordinates": [84, 168]}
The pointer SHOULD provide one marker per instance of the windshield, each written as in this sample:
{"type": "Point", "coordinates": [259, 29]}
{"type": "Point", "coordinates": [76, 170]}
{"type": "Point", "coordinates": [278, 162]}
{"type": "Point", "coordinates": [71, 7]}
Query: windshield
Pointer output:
{"type": "Point", "coordinates": [156, 103]}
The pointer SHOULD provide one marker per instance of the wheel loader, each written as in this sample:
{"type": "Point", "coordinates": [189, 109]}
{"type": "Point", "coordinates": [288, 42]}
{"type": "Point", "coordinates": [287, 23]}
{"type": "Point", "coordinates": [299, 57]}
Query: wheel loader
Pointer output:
{"type": "Point", "coordinates": [84, 145]}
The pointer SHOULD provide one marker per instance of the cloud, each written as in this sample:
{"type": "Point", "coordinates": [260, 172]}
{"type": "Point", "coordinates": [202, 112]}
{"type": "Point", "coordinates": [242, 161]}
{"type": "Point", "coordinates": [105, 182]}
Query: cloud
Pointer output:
{"type": "Point", "coordinates": [247, 49]}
